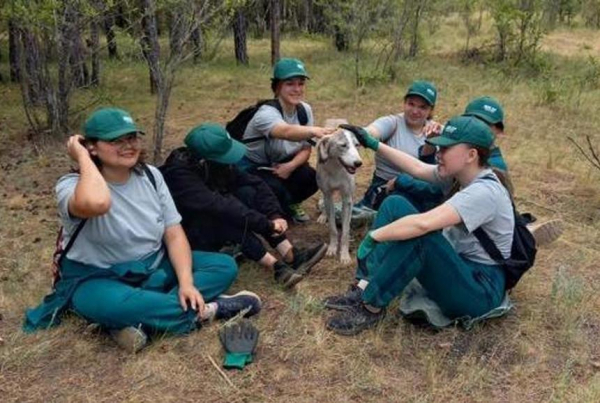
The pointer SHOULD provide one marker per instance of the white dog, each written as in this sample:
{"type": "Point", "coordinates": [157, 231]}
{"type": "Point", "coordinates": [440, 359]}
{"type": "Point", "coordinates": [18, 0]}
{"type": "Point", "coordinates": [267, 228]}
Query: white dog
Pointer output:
{"type": "Point", "coordinates": [337, 162]}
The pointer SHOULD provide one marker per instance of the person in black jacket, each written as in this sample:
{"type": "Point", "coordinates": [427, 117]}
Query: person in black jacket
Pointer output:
{"type": "Point", "coordinates": [221, 204]}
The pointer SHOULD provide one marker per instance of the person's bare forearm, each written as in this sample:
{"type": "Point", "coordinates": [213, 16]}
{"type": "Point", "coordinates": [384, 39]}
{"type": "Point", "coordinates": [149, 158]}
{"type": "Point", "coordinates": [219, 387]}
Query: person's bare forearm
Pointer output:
{"type": "Point", "coordinates": [180, 254]}
{"type": "Point", "coordinates": [300, 158]}
{"type": "Point", "coordinates": [293, 132]}
{"type": "Point", "coordinates": [418, 224]}
{"type": "Point", "coordinates": [91, 197]}
{"type": "Point", "coordinates": [407, 163]}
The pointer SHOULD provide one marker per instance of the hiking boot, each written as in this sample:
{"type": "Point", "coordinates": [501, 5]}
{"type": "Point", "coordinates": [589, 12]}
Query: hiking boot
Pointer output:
{"type": "Point", "coordinates": [546, 232]}
{"type": "Point", "coordinates": [229, 306]}
{"type": "Point", "coordinates": [286, 275]}
{"type": "Point", "coordinates": [345, 301]}
{"type": "Point", "coordinates": [306, 258]}
{"type": "Point", "coordinates": [131, 339]}
{"type": "Point", "coordinates": [298, 214]}
{"type": "Point", "coordinates": [354, 320]}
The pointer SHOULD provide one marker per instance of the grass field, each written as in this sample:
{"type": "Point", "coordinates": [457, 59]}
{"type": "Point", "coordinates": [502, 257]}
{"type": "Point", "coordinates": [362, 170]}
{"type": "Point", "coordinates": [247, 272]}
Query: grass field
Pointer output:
{"type": "Point", "coordinates": [546, 350]}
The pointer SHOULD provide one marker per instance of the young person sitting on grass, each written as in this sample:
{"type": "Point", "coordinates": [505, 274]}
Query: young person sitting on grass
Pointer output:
{"type": "Point", "coordinates": [278, 147]}
{"type": "Point", "coordinates": [130, 268]}
{"type": "Point", "coordinates": [221, 204]}
{"type": "Point", "coordinates": [437, 247]}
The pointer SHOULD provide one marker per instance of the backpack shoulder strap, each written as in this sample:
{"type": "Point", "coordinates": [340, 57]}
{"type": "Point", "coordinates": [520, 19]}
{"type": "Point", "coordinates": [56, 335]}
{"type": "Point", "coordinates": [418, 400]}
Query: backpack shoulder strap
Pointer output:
{"type": "Point", "coordinates": [150, 176]}
{"type": "Point", "coordinates": [71, 240]}
{"type": "Point", "coordinates": [488, 245]}
{"type": "Point", "coordinates": [302, 114]}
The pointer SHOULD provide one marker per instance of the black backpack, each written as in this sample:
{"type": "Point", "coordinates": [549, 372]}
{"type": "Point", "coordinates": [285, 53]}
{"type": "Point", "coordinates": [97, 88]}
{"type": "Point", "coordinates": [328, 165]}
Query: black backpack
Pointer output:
{"type": "Point", "coordinates": [237, 126]}
{"type": "Point", "coordinates": [522, 253]}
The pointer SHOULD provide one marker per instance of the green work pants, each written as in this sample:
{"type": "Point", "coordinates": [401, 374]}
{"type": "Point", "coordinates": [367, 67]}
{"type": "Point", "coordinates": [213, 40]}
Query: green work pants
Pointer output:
{"type": "Point", "coordinates": [459, 286]}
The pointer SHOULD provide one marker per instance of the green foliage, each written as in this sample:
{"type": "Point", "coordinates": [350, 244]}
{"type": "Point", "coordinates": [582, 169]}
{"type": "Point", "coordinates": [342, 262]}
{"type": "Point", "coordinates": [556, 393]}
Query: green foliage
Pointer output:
{"type": "Point", "coordinates": [519, 30]}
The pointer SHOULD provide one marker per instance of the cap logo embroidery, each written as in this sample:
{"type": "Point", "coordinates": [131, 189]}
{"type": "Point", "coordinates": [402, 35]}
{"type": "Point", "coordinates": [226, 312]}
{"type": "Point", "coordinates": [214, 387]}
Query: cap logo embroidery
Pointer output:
{"type": "Point", "coordinates": [450, 129]}
{"type": "Point", "coordinates": [429, 90]}
{"type": "Point", "coordinates": [490, 109]}
{"type": "Point", "coordinates": [127, 119]}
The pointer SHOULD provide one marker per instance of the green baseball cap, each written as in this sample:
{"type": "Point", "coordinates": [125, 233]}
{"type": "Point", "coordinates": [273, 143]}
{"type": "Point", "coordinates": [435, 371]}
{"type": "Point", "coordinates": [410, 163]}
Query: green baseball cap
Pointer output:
{"type": "Point", "coordinates": [464, 129]}
{"type": "Point", "coordinates": [212, 142]}
{"type": "Point", "coordinates": [287, 68]}
{"type": "Point", "coordinates": [487, 109]}
{"type": "Point", "coordinates": [424, 89]}
{"type": "Point", "coordinates": [108, 124]}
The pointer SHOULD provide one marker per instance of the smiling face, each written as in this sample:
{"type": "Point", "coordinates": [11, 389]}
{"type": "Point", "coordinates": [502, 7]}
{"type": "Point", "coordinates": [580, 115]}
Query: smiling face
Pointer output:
{"type": "Point", "coordinates": [291, 91]}
{"type": "Point", "coordinates": [416, 111]}
{"type": "Point", "coordinates": [123, 152]}
{"type": "Point", "coordinates": [455, 159]}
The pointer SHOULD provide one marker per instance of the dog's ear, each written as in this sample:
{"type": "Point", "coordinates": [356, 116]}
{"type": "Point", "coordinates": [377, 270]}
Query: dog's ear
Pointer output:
{"type": "Point", "coordinates": [323, 149]}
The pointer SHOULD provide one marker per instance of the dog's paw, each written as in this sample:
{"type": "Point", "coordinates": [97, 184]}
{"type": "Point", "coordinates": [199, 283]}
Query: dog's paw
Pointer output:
{"type": "Point", "coordinates": [345, 258]}
{"type": "Point", "coordinates": [331, 250]}
{"type": "Point", "coordinates": [322, 219]}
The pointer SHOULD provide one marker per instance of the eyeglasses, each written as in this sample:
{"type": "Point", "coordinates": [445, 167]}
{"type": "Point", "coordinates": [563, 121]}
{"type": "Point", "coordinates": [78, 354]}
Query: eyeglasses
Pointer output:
{"type": "Point", "coordinates": [122, 142]}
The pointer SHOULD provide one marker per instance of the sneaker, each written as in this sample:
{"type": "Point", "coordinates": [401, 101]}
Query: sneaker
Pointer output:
{"type": "Point", "coordinates": [131, 339]}
{"type": "Point", "coordinates": [306, 258]}
{"type": "Point", "coordinates": [345, 301]}
{"type": "Point", "coordinates": [354, 320]}
{"type": "Point", "coordinates": [286, 275]}
{"type": "Point", "coordinates": [229, 306]}
{"type": "Point", "coordinates": [546, 232]}
{"type": "Point", "coordinates": [298, 213]}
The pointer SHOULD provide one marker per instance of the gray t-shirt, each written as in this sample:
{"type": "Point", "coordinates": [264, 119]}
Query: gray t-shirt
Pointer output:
{"type": "Point", "coordinates": [396, 134]}
{"type": "Point", "coordinates": [131, 230]}
{"type": "Point", "coordinates": [273, 150]}
{"type": "Point", "coordinates": [483, 203]}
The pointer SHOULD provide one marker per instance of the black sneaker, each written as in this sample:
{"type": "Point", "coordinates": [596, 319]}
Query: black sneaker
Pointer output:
{"type": "Point", "coordinates": [286, 275]}
{"type": "Point", "coordinates": [345, 301]}
{"type": "Point", "coordinates": [229, 306]}
{"type": "Point", "coordinates": [306, 258]}
{"type": "Point", "coordinates": [354, 320]}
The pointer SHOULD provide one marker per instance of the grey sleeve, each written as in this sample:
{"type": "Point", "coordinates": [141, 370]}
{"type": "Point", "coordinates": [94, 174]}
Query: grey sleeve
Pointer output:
{"type": "Point", "coordinates": [265, 119]}
{"type": "Point", "coordinates": [65, 187]}
{"type": "Point", "coordinates": [386, 125]}
{"type": "Point", "coordinates": [170, 213]}
{"type": "Point", "coordinates": [475, 204]}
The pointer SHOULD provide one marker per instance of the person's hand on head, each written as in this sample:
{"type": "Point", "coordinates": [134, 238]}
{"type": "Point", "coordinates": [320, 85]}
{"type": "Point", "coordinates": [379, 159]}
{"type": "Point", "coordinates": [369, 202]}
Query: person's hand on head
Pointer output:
{"type": "Point", "coordinates": [189, 296]}
{"type": "Point", "coordinates": [75, 147]}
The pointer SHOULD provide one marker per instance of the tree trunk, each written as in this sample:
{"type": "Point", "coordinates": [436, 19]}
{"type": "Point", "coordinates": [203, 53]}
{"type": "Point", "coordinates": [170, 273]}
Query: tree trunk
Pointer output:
{"type": "Point", "coordinates": [196, 38]}
{"type": "Point", "coordinates": [109, 31]}
{"type": "Point", "coordinates": [149, 42]}
{"type": "Point", "coordinates": [81, 74]}
{"type": "Point", "coordinates": [14, 55]}
{"type": "Point", "coordinates": [239, 36]}
{"type": "Point", "coordinates": [414, 41]}
{"type": "Point", "coordinates": [275, 30]}
{"type": "Point", "coordinates": [95, 45]}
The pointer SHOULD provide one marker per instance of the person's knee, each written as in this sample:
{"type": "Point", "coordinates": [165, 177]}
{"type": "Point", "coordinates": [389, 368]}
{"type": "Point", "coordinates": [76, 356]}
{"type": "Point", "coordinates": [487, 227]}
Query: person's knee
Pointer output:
{"type": "Point", "coordinates": [397, 206]}
{"type": "Point", "coordinates": [228, 267]}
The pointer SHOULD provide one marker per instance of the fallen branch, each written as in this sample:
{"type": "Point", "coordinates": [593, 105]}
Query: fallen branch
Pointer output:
{"type": "Point", "coordinates": [593, 156]}
{"type": "Point", "coordinates": [223, 374]}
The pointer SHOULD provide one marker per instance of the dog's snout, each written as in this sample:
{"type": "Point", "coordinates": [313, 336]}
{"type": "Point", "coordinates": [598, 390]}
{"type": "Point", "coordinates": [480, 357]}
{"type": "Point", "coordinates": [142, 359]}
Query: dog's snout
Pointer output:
{"type": "Point", "coordinates": [357, 164]}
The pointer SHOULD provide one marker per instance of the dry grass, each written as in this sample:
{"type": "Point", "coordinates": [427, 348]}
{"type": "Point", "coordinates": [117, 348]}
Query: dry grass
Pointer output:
{"type": "Point", "coordinates": [548, 349]}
